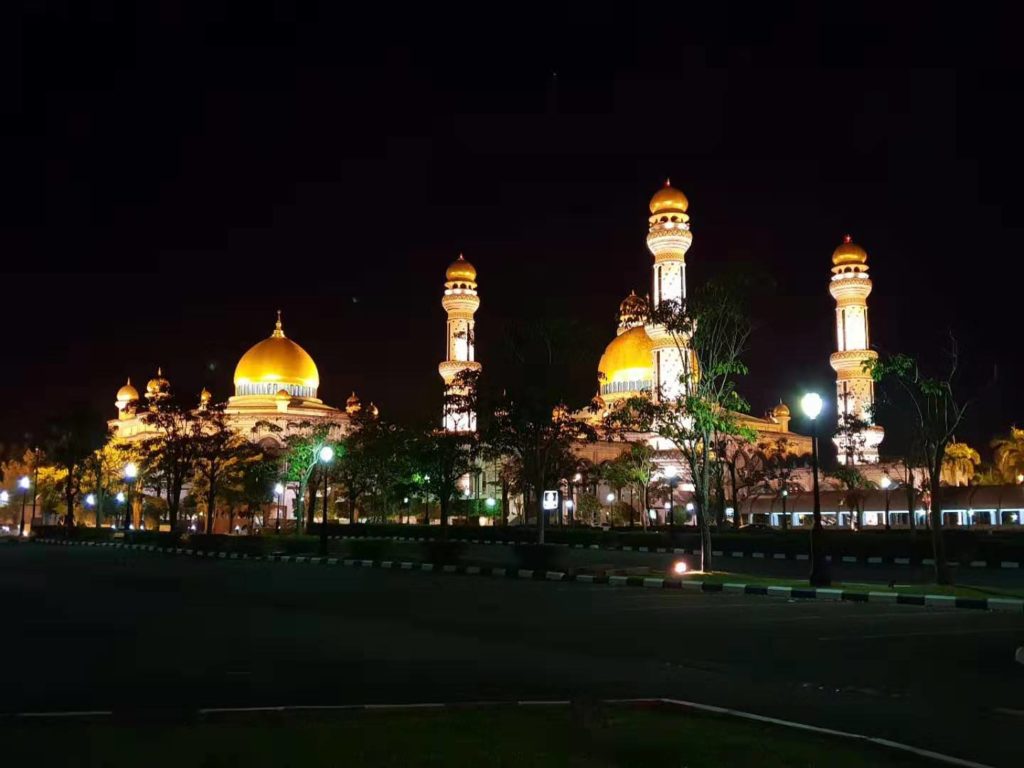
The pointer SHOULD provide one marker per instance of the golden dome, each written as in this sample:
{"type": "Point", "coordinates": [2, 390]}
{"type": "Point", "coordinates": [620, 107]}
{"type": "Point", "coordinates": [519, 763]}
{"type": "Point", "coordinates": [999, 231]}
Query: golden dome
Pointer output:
{"type": "Point", "coordinates": [205, 395]}
{"type": "Point", "coordinates": [668, 198]}
{"type": "Point", "coordinates": [632, 310]}
{"type": "Point", "coordinates": [353, 405]}
{"type": "Point", "coordinates": [626, 362]}
{"type": "Point", "coordinates": [283, 394]}
{"type": "Point", "coordinates": [127, 393]}
{"type": "Point", "coordinates": [279, 362]}
{"type": "Point", "coordinates": [781, 411]}
{"type": "Point", "coordinates": [158, 383]}
{"type": "Point", "coordinates": [849, 253]}
{"type": "Point", "coordinates": [461, 271]}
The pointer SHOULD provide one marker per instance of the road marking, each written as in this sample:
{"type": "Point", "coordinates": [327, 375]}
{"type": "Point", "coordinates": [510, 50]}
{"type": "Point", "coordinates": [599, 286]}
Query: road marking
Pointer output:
{"type": "Point", "coordinates": [1013, 712]}
{"type": "Point", "coordinates": [923, 634]}
{"type": "Point", "coordinates": [72, 713]}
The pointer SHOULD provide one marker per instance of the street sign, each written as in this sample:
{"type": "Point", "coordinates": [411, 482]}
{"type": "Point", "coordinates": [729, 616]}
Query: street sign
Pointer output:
{"type": "Point", "coordinates": [550, 500]}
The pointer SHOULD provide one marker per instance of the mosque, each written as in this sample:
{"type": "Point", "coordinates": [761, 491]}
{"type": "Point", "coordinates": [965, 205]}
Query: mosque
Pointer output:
{"type": "Point", "coordinates": [276, 381]}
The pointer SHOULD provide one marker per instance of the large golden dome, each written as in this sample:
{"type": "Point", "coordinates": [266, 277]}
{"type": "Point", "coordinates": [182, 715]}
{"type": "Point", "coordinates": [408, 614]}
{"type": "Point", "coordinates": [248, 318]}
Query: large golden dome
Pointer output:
{"type": "Point", "coordinates": [849, 252]}
{"type": "Point", "coordinates": [626, 366]}
{"type": "Point", "coordinates": [668, 198]}
{"type": "Point", "coordinates": [461, 271]}
{"type": "Point", "coordinates": [274, 364]}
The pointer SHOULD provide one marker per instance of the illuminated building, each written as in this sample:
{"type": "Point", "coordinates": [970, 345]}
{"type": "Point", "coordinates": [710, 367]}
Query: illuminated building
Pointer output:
{"type": "Point", "coordinates": [461, 302]}
{"type": "Point", "coordinates": [646, 359]}
{"type": "Point", "coordinates": [855, 390]}
{"type": "Point", "coordinates": [276, 383]}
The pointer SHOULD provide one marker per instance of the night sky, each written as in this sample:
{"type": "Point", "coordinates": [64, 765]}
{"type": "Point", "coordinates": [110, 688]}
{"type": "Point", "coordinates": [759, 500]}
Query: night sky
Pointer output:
{"type": "Point", "coordinates": [172, 176]}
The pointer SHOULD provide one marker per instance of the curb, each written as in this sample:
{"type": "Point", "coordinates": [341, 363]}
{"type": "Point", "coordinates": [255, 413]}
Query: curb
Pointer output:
{"type": "Point", "coordinates": [849, 559]}
{"type": "Point", "coordinates": [999, 604]}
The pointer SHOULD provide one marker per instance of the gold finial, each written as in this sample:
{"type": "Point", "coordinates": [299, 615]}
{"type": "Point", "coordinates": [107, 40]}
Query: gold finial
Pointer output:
{"type": "Point", "coordinates": [461, 257]}
{"type": "Point", "coordinates": [847, 238]}
{"type": "Point", "coordinates": [278, 330]}
{"type": "Point", "coordinates": [668, 182]}
{"type": "Point", "coordinates": [159, 371]}
{"type": "Point", "coordinates": [129, 382]}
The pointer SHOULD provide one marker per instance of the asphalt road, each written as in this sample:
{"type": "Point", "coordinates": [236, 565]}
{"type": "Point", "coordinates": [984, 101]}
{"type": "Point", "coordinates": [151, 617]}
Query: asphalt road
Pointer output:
{"type": "Point", "coordinates": [153, 635]}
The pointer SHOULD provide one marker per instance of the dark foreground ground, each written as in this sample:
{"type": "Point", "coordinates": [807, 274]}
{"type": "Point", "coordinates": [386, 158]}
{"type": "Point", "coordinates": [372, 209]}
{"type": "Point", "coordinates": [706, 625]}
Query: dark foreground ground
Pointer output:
{"type": "Point", "coordinates": [151, 636]}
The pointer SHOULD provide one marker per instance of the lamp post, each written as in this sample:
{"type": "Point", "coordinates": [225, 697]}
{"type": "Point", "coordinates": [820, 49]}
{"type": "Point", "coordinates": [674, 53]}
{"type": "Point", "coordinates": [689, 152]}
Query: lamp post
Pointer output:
{"type": "Point", "coordinates": [326, 456]}
{"type": "Point", "coordinates": [886, 484]}
{"type": "Point", "coordinates": [120, 498]}
{"type": "Point", "coordinates": [23, 484]}
{"type": "Point", "coordinates": [785, 519]}
{"type": "Point", "coordinates": [279, 492]}
{"type": "Point", "coordinates": [130, 473]}
{"type": "Point", "coordinates": [811, 404]}
{"type": "Point", "coordinates": [689, 511]}
{"type": "Point", "coordinates": [673, 478]}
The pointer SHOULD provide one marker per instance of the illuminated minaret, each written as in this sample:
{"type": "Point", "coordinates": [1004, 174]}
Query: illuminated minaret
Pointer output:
{"type": "Point", "coordinates": [668, 239]}
{"type": "Point", "coordinates": [461, 302]}
{"type": "Point", "coordinates": [855, 390]}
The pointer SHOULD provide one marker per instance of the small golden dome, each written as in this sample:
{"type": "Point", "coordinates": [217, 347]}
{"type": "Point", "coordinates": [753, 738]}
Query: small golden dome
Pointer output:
{"type": "Point", "coordinates": [632, 309]}
{"type": "Point", "coordinates": [283, 394]}
{"type": "Point", "coordinates": [158, 383]}
{"type": "Point", "coordinates": [127, 393]}
{"type": "Point", "coordinates": [353, 405]}
{"type": "Point", "coordinates": [668, 198]}
{"type": "Point", "coordinates": [374, 411]}
{"type": "Point", "coordinates": [277, 360]}
{"type": "Point", "coordinates": [781, 411]}
{"type": "Point", "coordinates": [559, 413]}
{"type": "Point", "coordinates": [627, 359]}
{"type": "Point", "coordinates": [205, 396]}
{"type": "Point", "coordinates": [849, 252]}
{"type": "Point", "coordinates": [461, 271]}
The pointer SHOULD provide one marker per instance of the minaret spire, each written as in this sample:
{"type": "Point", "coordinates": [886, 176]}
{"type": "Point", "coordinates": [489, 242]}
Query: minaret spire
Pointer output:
{"type": "Point", "coordinates": [858, 438]}
{"type": "Point", "coordinates": [668, 239]}
{"type": "Point", "coordinates": [278, 330]}
{"type": "Point", "coordinates": [461, 302]}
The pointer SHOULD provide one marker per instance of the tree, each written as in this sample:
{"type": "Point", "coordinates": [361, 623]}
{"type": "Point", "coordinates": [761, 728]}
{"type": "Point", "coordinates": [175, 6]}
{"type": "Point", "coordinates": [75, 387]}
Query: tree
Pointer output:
{"type": "Point", "coordinates": [710, 332]}
{"type": "Point", "coordinates": [302, 452]}
{"type": "Point", "coordinates": [1009, 454]}
{"type": "Point", "coordinates": [854, 485]}
{"type": "Point", "coordinates": [936, 412]}
{"type": "Point", "coordinates": [72, 439]}
{"type": "Point", "coordinates": [640, 467]}
{"type": "Point", "coordinates": [221, 455]}
{"type": "Point", "coordinates": [959, 464]}
{"type": "Point", "coordinates": [441, 459]}
{"type": "Point", "coordinates": [170, 455]}
{"type": "Point", "coordinates": [105, 468]}
{"type": "Point", "coordinates": [774, 473]}
{"type": "Point", "coordinates": [528, 423]}
{"type": "Point", "coordinates": [616, 475]}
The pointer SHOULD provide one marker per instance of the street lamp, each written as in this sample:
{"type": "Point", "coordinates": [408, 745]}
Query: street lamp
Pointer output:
{"type": "Point", "coordinates": [689, 510]}
{"type": "Point", "coordinates": [279, 492]}
{"type": "Point", "coordinates": [131, 471]}
{"type": "Point", "coordinates": [23, 484]}
{"type": "Point", "coordinates": [785, 519]}
{"type": "Point", "coordinates": [886, 484]}
{"type": "Point", "coordinates": [326, 456]}
{"type": "Point", "coordinates": [673, 479]}
{"type": "Point", "coordinates": [811, 405]}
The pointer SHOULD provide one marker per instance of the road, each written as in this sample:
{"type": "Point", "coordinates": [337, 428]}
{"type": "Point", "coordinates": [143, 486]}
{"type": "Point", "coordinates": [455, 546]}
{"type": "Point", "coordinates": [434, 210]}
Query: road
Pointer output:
{"type": "Point", "coordinates": [155, 635]}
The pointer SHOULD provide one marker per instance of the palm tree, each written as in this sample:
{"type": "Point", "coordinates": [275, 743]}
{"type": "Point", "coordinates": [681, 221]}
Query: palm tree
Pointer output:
{"type": "Point", "coordinates": [959, 464]}
{"type": "Point", "coordinates": [1009, 454]}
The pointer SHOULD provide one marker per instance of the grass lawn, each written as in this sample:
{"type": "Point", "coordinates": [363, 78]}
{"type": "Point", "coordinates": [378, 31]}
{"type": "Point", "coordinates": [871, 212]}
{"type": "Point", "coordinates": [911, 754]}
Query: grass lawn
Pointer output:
{"type": "Point", "coordinates": [722, 577]}
{"type": "Point", "coordinates": [481, 738]}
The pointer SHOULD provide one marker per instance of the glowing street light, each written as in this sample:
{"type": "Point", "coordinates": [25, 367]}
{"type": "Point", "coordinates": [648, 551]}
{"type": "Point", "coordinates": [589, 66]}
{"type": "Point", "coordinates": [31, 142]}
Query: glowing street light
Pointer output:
{"type": "Point", "coordinates": [610, 498]}
{"type": "Point", "coordinates": [491, 502]}
{"type": "Point", "coordinates": [326, 456]}
{"type": "Point", "coordinates": [886, 484]}
{"type": "Point", "coordinates": [679, 568]}
{"type": "Point", "coordinates": [279, 493]}
{"type": "Point", "coordinates": [673, 480]}
{"type": "Point", "coordinates": [4, 498]}
{"type": "Point", "coordinates": [90, 500]}
{"type": "Point", "coordinates": [811, 404]}
{"type": "Point", "coordinates": [120, 497]}
{"type": "Point", "coordinates": [23, 484]}
{"type": "Point", "coordinates": [131, 471]}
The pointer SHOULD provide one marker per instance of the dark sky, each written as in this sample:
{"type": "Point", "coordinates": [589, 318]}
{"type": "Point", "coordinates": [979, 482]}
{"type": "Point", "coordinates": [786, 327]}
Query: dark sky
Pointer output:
{"type": "Point", "coordinates": [171, 176]}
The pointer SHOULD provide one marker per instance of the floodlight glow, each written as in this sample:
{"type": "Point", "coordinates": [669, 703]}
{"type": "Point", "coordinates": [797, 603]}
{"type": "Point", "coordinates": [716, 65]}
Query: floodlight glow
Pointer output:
{"type": "Point", "coordinates": [811, 404]}
{"type": "Point", "coordinates": [885, 482]}
{"type": "Point", "coordinates": [326, 454]}
{"type": "Point", "coordinates": [679, 568]}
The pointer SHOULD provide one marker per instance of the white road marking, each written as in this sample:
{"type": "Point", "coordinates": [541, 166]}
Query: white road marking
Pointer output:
{"type": "Point", "coordinates": [922, 634]}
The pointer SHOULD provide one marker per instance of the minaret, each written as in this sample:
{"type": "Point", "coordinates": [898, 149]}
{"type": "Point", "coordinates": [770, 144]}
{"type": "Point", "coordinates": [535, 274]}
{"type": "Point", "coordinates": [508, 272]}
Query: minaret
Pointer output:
{"type": "Point", "coordinates": [855, 390]}
{"type": "Point", "coordinates": [668, 239]}
{"type": "Point", "coordinates": [461, 302]}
